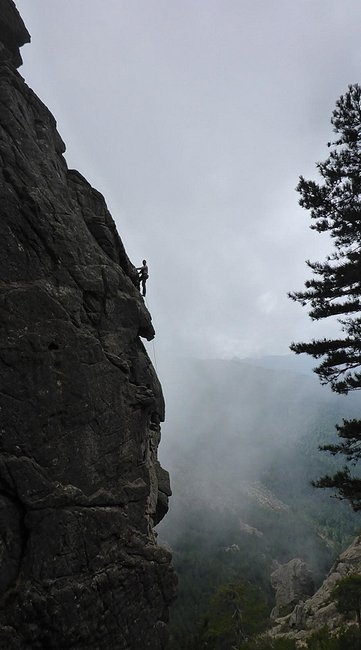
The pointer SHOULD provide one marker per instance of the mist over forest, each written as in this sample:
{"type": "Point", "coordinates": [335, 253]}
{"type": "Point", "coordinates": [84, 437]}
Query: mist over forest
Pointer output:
{"type": "Point", "coordinates": [241, 445]}
{"type": "Point", "coordinates": [232, 420]}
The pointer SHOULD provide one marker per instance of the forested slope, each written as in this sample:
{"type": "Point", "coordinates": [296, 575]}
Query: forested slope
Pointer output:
{"type": "Point", "coordinates": [242, 464]}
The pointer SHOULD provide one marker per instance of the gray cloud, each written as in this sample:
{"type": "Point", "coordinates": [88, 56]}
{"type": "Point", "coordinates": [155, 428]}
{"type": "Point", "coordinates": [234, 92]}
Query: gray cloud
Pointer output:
{"type": "Point", "coordinates": [195, 119]}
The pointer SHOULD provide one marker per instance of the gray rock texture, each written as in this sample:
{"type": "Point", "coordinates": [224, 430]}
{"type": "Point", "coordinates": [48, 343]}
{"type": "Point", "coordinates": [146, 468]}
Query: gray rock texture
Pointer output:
{"type": "Point", "coordinates": [292, 582]}
{"type": "Point", "coordinates": [320, 610]}
{"type": "Point", "coordinates": [80, 404]}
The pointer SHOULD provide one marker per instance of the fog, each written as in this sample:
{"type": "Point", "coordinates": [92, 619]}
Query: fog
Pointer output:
{"type": "Point", "coordinates": [195, 120]}
{"type": "Point", "coordinates": [235, 423]}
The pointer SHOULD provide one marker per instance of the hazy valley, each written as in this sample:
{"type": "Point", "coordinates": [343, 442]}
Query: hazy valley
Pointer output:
{"type": "Point", "coordinates": [242, 458]}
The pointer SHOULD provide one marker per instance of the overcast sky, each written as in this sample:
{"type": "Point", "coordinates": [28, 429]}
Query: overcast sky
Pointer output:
{"type": "Point", "coordinates": [195, 118]}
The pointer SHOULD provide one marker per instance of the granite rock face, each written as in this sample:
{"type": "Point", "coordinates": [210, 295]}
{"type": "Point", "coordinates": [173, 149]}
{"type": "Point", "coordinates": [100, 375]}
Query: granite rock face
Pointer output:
{"type": "Point", "coordinates": [80, 404]}
{"type": "Point", "coordinates": [320, 610]}
{"type": "Point", "coordinates": [13, 32]}
{"type": "Point", "coordinates": [292, 582]}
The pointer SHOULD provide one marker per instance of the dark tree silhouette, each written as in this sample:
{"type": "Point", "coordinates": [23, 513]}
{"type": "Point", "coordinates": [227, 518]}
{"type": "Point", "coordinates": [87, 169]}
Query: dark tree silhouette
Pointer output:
{"type": "Point", "coordinates": [347, 594]}
{"type": "Point", "coordinates": [335, 290]}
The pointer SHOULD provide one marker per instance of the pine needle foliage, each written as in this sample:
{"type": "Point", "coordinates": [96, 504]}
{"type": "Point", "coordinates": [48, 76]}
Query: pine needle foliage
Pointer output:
{"type": "Point", "coordinates": [335, 289]}
{"type": "Point", "coordinates": [347, 594]}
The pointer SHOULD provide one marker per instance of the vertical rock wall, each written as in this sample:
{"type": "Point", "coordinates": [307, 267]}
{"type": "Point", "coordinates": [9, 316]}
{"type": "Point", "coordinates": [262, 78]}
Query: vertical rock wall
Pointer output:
{"type": "Point", "coordinates": [80, 404]}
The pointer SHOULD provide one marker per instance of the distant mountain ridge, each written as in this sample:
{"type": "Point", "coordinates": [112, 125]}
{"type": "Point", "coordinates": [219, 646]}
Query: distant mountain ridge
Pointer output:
{"type": "Point", "coordinates": [301, 364]}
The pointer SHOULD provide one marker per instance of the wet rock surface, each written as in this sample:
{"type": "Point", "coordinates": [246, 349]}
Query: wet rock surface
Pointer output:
{"type": "Point", "coordinates": [80, 403]}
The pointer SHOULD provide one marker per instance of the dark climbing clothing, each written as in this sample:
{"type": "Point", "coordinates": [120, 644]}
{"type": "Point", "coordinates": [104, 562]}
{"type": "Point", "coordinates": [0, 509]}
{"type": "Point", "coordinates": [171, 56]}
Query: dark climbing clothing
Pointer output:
{"type": "Point", "coordinates": [143, 276]}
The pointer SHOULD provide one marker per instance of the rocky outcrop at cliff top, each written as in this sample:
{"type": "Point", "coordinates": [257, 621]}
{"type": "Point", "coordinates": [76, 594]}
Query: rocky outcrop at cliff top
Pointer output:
{"type": "Point", "coordinates": [320, 610]}
{"type": "Point", "coordinates": [13, 32]}
{"type": "Point", "coordinates": [80, 403]}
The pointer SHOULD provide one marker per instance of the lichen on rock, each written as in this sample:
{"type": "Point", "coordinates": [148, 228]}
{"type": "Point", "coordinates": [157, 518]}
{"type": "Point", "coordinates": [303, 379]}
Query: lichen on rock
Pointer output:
{"type": "Point", "coordinates": [80, 403]}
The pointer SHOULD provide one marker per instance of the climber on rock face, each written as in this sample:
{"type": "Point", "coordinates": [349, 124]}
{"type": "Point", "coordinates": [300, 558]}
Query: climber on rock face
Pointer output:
{"type": "Point", "coordinates": [143, 275]}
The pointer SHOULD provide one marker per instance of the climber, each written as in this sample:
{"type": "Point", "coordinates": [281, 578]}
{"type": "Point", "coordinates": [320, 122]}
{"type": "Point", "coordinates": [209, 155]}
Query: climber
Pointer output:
{"type": "Point", "coordinates": [143, 275]}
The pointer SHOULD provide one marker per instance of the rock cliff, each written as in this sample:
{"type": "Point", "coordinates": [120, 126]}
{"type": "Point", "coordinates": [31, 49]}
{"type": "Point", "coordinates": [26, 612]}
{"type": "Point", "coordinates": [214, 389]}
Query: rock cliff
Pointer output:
{"type": "Point", "coordinates": [320, 610]}
{"type": "Point", "coordinates": [80, 403]}
{"type": "Point", "coordinates": [292, 582]}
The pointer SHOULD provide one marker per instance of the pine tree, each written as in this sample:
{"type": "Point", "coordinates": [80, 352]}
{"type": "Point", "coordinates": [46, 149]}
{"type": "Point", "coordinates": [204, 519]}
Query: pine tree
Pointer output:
{"type": "Point", "coordinates": [236, 612]}
{"type": "Point", "coordinates": [347, 594]}
{"type": "Point", "coordinates": [335, 290]}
